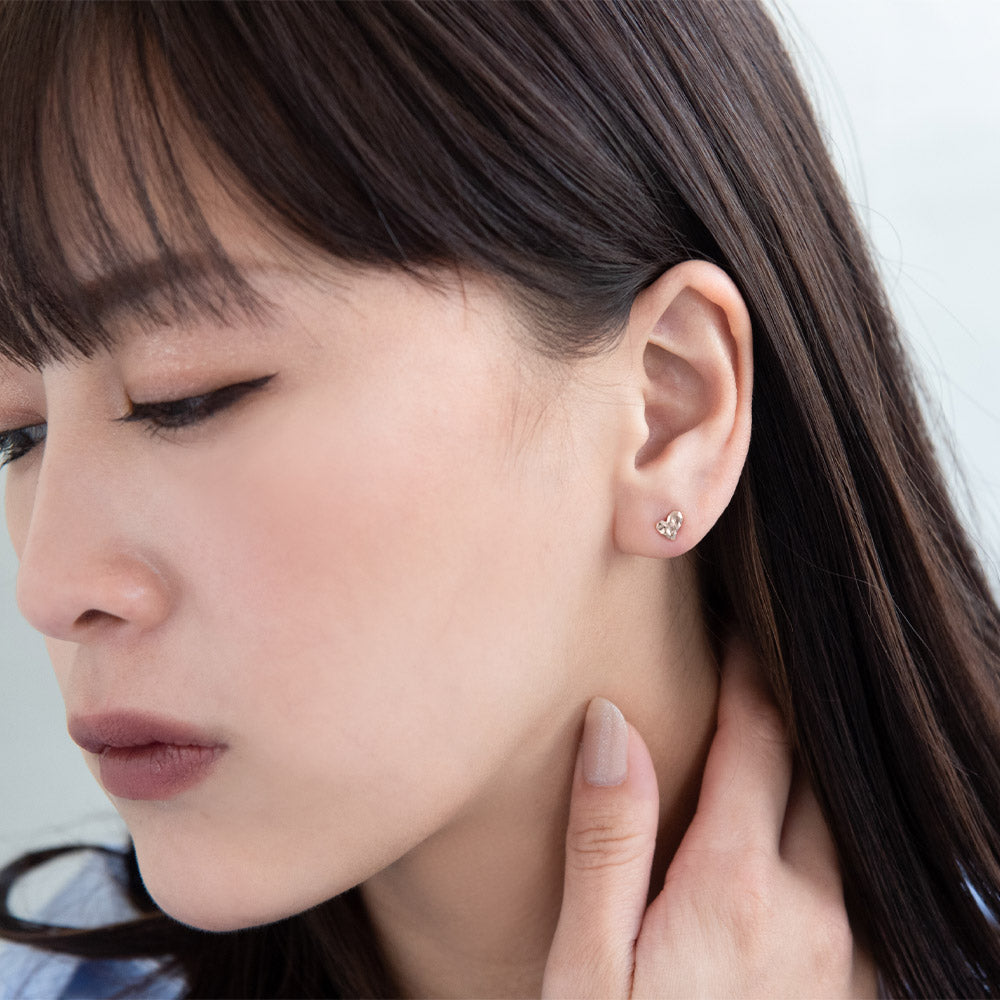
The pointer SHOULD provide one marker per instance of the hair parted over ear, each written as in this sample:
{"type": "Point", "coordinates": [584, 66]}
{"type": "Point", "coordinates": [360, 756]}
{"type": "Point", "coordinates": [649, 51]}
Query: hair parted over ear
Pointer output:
{"type": "Point", "coordinates": [689, 336]}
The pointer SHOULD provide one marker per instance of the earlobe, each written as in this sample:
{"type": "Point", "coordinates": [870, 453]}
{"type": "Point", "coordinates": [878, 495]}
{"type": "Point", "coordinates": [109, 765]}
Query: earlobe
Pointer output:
{"type": "Point", "coordinates": [691, 337]}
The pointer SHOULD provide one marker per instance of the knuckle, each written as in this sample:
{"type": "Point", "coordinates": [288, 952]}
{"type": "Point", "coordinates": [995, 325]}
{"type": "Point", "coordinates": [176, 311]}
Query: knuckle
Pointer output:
{"type": "Point", "coordinates": [832, 943]}
{"type": "Point", "coordinates": [752, 873]}
{"type": "Point", "coordinates": [751, 904]}
{"type": "Point", "coordinates": [767, 728]}
{"type": "Point", "coordinates": [602, 843]}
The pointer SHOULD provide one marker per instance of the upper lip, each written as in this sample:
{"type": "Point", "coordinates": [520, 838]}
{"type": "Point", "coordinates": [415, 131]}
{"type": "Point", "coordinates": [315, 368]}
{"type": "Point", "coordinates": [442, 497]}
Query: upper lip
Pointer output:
{"type": "Point", "coordinates": [97, 733]}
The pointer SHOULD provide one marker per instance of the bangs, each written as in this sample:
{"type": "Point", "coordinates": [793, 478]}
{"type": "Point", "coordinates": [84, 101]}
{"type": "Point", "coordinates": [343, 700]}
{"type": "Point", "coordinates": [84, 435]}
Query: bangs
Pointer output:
{"type": "Point", "coordinates": [96, 212]}
{"type": "Point", "coordinates": [388, 135]}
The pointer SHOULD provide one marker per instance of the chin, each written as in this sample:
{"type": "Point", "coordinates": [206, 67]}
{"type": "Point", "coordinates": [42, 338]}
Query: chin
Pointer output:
{"type": "Point", "coordinates": [223, 897]}
{"type": "Point", "coordinates": [214, 911]}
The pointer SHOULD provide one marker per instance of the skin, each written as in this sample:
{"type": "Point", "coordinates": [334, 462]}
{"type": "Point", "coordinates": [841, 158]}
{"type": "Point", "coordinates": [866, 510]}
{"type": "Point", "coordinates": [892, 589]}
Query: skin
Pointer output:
{"type": "Point", "coordinates": [390, 581]}
{"type": "Point", "coordinates": [752, 904]}
{"type": "Point", "coordinates": [329, 578]}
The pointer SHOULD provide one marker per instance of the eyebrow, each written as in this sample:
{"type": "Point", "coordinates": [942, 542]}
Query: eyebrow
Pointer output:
{"type": "Point", "coordinates": [189, 283]}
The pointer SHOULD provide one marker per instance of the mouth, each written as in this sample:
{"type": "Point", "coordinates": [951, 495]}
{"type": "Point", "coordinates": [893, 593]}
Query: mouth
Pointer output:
{"type": "Point", "coordinates": [144, 757]}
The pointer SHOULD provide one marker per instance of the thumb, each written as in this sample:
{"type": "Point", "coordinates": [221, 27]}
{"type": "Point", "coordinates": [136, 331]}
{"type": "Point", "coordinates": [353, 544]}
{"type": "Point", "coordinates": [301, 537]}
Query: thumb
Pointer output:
{"type": "Point", "coordinates": [609, 851]}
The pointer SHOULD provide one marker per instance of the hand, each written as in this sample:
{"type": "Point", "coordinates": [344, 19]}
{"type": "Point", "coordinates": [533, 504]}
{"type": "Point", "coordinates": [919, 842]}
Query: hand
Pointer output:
{"type": "Point", "coordinates": [752, 904]}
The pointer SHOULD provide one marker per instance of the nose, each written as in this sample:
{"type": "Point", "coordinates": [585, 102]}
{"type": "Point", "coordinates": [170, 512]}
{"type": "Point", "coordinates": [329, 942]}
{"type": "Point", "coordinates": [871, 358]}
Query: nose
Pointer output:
{"type": "Point", "coordinates": [84, 569]}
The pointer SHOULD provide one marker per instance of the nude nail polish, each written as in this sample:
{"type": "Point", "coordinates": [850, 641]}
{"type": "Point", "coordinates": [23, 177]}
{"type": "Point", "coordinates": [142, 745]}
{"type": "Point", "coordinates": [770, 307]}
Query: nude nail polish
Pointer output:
{"type": "Point", "coordinates": [605, 744]}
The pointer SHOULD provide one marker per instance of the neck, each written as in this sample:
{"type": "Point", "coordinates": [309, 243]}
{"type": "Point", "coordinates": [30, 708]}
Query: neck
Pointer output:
{"type": "Point", "coordinates": [472, 910]}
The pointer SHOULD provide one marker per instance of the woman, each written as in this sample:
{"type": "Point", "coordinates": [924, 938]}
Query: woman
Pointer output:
{"type": "Point", "coordinates": [448, 324]}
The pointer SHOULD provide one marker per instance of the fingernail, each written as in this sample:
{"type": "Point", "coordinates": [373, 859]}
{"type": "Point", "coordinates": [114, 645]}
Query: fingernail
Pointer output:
{"type": "Point", "coordinates": [605, 744]}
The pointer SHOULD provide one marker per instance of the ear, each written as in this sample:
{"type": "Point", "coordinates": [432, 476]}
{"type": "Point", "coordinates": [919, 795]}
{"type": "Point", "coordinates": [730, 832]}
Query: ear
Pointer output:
{"type": "Point", "coordinates": [692, 364]}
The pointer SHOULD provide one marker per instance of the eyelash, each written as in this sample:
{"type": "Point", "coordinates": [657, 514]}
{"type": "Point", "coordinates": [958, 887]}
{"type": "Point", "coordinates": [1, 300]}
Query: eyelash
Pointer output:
{"type": "Point", "coordinates": [160, 417]}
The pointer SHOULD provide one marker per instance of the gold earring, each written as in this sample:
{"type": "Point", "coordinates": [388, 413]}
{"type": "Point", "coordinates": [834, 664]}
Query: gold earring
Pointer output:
{"type": "Point", "coordinates": [670, 525]}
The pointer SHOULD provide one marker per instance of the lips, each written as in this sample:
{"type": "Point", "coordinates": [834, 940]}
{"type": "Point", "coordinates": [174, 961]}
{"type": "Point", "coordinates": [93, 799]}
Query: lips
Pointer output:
{"type": "Point", "coordinates": [143, 756]}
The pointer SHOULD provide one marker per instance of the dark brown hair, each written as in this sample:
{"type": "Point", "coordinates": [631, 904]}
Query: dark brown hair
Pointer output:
{"type": "Point", "coordinates": [575, 151]}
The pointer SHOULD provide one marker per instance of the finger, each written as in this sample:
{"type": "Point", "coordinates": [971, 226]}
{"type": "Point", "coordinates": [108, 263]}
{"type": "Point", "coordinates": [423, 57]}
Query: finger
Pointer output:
{"type": "Point", "coordinates": [748, 773]}
{"type": "Point", "coordinates": [609, 850]}
{"type": "Point", "coordinates": [807, 846]}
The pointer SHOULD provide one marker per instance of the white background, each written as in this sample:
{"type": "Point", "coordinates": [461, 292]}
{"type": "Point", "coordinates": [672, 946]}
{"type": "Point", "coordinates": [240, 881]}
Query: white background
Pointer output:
{"type": "Point", "coordinates": [911, 95]}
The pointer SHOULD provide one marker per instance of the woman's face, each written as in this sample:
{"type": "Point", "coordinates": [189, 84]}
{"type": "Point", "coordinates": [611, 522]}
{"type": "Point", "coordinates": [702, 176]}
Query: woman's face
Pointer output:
{"type": "Point", "coordinates": [358, 579]}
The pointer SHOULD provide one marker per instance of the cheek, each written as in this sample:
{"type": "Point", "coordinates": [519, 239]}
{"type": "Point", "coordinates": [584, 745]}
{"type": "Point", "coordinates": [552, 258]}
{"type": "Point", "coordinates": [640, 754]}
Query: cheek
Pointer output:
{"type": "Point", "coordinates": [374, 635]}
{"type": "Point", "coordinates": [374, 510]}
{"type": "Point", "coordinates": [385, 556]}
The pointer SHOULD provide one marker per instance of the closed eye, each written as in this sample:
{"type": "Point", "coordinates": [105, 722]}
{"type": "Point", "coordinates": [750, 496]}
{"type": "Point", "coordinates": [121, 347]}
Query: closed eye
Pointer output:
{"type": "Point", "coordinates": [172, 414]}
{"type": "Point", "coordinates": [161, 416]}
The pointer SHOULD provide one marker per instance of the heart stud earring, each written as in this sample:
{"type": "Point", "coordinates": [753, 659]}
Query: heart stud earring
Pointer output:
{"type": "Point", "coordinates": [670, 525]}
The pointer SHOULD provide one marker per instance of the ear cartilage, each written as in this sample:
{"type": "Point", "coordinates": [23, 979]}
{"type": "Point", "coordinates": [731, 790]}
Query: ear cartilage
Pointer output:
{"type": "Point", "coordinates": [670, 525]}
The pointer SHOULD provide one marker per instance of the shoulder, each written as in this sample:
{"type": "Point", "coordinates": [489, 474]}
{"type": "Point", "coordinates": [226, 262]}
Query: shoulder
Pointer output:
{"type": "Point", "coordinates": [91, 896]}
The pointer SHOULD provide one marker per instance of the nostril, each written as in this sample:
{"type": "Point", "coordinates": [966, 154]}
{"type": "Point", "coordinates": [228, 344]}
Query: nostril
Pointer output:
{"type": "Point", "coordinates": [92, 615]}
{"type": "Point", "coordinates": [76, 596]}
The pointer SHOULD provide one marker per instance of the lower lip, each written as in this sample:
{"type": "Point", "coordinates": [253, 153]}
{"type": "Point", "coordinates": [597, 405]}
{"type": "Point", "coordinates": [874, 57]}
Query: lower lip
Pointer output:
{"type": "Point", "coordinates": [156, 771]}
